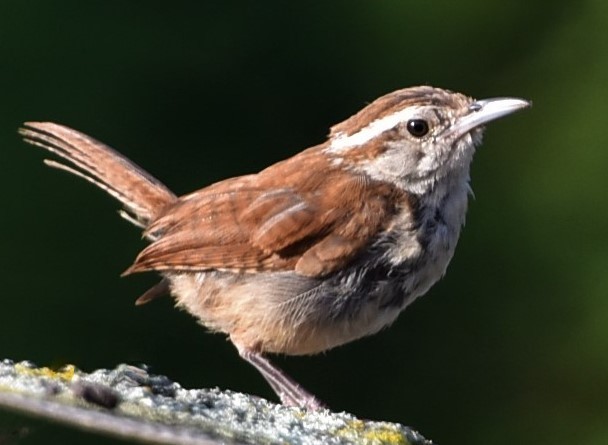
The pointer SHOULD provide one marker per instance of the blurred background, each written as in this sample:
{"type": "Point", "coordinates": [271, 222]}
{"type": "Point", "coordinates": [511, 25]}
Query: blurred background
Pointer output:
{"type": "Point", "coordinates": [511, 346]}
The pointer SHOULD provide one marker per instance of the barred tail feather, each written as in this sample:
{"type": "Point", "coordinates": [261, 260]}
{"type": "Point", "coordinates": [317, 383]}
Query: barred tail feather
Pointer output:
{"type": "Point", "coordinates": [141, 194]}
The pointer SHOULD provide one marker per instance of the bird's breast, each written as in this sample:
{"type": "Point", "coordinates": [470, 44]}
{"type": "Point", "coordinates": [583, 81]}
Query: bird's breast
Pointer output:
{"type": "Point", "coordinates": [284, 312]}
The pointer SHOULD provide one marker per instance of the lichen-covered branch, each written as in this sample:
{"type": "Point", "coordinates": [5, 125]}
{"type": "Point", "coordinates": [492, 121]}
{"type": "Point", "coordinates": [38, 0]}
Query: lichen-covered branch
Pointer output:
{"type": "Point", "coordinates": [129, 402]}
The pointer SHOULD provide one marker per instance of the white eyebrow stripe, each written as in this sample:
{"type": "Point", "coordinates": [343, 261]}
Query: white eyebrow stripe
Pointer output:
{"type": "Point", "coordinates": [340, 142]}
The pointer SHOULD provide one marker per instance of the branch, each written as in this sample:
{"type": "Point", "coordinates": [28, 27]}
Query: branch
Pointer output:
{"type": "Point", "coordinates": [130, 403]}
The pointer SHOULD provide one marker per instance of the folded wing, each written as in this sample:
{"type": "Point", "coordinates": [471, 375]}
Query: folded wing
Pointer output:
{"type": "Point", "coordinates": [312, 223]}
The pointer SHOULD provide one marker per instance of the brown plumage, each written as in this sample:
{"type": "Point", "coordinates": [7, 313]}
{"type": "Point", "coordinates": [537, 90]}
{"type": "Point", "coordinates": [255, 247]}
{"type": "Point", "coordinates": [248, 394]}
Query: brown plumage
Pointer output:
{"type": "Point", "coordinates": [275, 220]}
{"type": "Point", "coordinates": [140, 193]}
{"type": "Point", "coordinates": [256, 224]}
{"type": "Point", "coordinates": [317, 250]}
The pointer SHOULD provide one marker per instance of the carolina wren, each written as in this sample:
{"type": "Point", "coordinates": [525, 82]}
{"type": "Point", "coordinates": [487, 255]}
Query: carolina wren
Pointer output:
{"type": "Point", "coordinates": [314, 251]}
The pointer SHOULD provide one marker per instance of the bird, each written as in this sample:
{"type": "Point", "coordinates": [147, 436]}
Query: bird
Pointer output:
{"type": "Point", "coordinates": [314, 251]}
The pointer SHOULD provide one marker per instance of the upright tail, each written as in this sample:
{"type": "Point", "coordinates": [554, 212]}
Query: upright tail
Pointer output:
{"type": "Point", "coordinates": [142, 195]}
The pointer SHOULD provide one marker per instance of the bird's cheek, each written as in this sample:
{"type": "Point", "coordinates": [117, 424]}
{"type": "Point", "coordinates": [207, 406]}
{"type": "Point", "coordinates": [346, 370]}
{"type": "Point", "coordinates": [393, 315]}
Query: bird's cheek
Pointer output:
{"type": "Point", "coordinates": [428, 162]}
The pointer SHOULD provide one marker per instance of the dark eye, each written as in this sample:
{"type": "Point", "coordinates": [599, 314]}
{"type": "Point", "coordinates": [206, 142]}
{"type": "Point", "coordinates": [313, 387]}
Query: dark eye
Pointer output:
{"type": "Point", "coordinates": [417, 127]}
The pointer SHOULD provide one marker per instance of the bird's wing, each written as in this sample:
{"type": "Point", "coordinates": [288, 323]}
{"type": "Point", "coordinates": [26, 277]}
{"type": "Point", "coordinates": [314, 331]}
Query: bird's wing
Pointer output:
{"type": "Point", "coordinates": [311, 222]}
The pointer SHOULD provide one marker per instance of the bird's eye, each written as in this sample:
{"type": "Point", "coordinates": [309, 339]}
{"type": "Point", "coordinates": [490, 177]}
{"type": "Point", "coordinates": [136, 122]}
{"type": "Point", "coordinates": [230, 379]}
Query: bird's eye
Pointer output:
{"type": "Point", "coordinates": [417, 127]}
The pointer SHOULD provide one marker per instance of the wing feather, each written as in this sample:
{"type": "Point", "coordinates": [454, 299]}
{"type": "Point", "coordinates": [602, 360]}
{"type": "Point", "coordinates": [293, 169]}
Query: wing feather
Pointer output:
{"type": "Point", "coordinates": [312, 223]}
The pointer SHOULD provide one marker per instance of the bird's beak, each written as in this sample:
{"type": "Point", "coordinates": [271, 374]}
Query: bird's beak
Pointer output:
{"type": "Point", "coordinates": [486, 110]}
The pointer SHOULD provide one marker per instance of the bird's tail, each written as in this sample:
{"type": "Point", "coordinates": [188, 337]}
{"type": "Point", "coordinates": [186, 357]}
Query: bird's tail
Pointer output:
{"type": "Point", "coordinates": [142, 195]}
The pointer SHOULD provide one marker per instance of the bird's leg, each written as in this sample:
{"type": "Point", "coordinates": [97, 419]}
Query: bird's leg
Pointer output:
{"type": "Point", "coordinates": [288, 390]}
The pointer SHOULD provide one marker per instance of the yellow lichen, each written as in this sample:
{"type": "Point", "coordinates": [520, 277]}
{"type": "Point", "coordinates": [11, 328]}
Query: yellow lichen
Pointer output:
{"type": "Point", "coordinates": [378, 435]}
{"type": "Point", "coordinates": [64, 373]}
{"type": "Point", "coordinates": [385, 435]}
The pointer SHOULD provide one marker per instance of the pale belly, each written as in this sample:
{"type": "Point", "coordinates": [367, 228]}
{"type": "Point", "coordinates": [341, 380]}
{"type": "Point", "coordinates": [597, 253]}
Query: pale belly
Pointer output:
{"type": "Point", "coordinates": [283, 312]}
{"type": "Point", "coordinates": [290, 314]}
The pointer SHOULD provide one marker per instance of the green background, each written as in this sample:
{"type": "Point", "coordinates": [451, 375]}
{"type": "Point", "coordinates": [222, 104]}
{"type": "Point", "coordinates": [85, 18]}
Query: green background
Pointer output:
{"type": "Point", "coordinates": [510, 347]}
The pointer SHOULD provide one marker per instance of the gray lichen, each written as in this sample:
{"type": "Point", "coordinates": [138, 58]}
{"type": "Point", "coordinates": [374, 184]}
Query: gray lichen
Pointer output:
{"type": "Point", "coordinates": [129, 402]}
